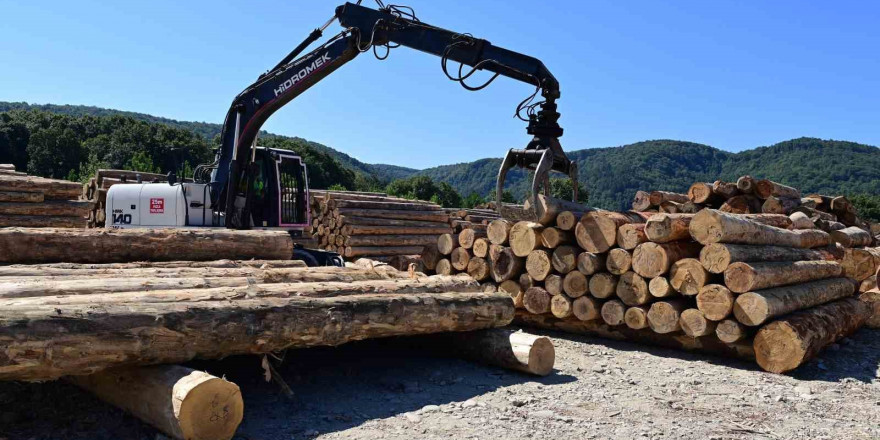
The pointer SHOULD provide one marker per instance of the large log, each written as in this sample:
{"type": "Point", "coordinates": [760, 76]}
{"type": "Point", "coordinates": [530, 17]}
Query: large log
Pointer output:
{"type": "Point", "coordinates": [539, 265]}
{"type": "Point", "coordinates": [631, 235]}
{"type": "Point", "coordinates": [755, 308]}
{"type": "Point", "coordinates": [36, 245]}
{"type": "Point", "coordinates": [52, 189]}
{"type": "Point", "coordinates": [564, 259]}
{"type": "Point", "coordinates": [586, 308]}
{"type": "Point", "coordinates": [561, 306]}
{"type": "Point", "coordinates": [872, 299]}
{"type": "Point", "coordinates": [663, 228]}
{"type": "Point", "coordinates": [597, 230]}
{"type": "Point", "coordinates": [705, 344]}
{"type": "Point", "coordinates": [603, 285]}
{"type": "Point", "coordinates": [548, 208]}
{"type": "Point", "coordinates": [779, 205]}
{"type": "Point", "coordinates": [664, 316]}
{"type": "Point", "coordinates": [460, 258]}
{"type": "Point", "coordinates": [636, 317]}
{"type": "Point", "coordinates": [715, 301]}
{"type": "Point", "coordinates": [633, 289]}
{"type": "Point", "coordinates": [658, 197]}
{"type": "Point", "coordinates": [394, 230]}
{"type": "Point", "coordinates": [575, 284]}
{"type": "Point", "coordinates": [525, 237]}
{"type": "Point", "coordinates": [478, 268]}
{"type": "Point", "coordinates": [787, 343]}
{"type": "Point", "coordinates": [724, 189]}
{"type": "Point", "coordinates": [717, 257]}
{"type": "Point", "coordinates": [552, 237]}
{"type": "Point", "coordinates": [765, 188]}
{"type": "Point", "coordinates": [536, 300]}
{"type": "Point", "coordinates": [347, 220]}
{"type": "Point", "coordinates": [43, 221]}
{"type": "Point", "coordinates": [380, 251]}
{"type": "Point", "coordinates": [659, 287]}
{"type": "Point", "coordinates": [181, 402]}
{"type": "Point", "coordinates": [619, 261]}
{"type": "Point", "coordinates": [694, 324]}
{"type": "Point", "coordinates": [467, 237]}
{"type": "Point", "coordinates": [651, 260]}
{"type": "Point", "coordinates": [613, 312]}
{"type": "Point", "coordinates": [391, 240]}
{"type": "Point", "coordinates": [498, 231]}
{"type": "Point", "coordinates": [859, 264]}
{"type": "Point", "coordinates": [730, 331]}
{"type": "Point", "coordinates": [711, 226]}
{"type": "Point", "coordinates": [566, 220]}
{"type": "Point", "coordinates": [384, 205]}
{"type": "Point", "coordinates": [507, 266]}
{"type": "Point", "coordinates": [589, 263]}
{"type": "Point", "coordinates": [850, 237]}
{"type": "Point", "coordinates": [701, 192]}
{"type": "Point", "coordinates": [745, 184]}
{"type": "Point", "coordinates": [480, 248]}
{"type": "Point", "coordinates": [21, 196]}
{"type": "Point", "coordinates": [641, 201]}
{"type": "Point", "coordinates": [687, 276]}
{"type": "Point", "coordinates": [426, 215]}
{"type": "Point", "coordinates": [126, 334]}
{"type": "Point", "coordinates": [61, 208]}
{"type": "Point", "coordinates": [743, 277]}
{"type": "Point", "coordinates": [446, 243]}
{"type": "Point", "coordinates": [741, 204]}
{"type": "Point", "coordinates": [514, 350]}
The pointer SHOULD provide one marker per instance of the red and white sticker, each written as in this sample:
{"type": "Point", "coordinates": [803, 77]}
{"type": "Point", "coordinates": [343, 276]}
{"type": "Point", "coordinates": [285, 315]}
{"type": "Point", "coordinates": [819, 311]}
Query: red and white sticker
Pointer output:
{"type": "Point", "coordinates": [157, 206]}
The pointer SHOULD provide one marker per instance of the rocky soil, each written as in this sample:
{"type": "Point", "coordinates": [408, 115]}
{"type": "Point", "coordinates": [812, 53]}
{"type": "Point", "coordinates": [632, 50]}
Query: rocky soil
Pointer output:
{"type": "Point", "coordinates": [601, 389]}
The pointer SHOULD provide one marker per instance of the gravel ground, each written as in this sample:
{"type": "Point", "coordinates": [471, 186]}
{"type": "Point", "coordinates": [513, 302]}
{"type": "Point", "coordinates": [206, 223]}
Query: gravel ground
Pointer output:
{"type": "Point", "coordinates": [601, 389]}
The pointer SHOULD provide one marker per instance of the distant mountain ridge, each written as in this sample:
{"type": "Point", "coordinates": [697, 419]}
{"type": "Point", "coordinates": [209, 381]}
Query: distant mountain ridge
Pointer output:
{"type": "Point", "coordinates": [612, 175]}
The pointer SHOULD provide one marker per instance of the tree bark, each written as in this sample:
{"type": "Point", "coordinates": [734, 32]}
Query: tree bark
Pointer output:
{"type": "Point", "coordinates": [631, 235]}
{"type": "Point", "coordinates": [181, 402]}
{"type": "Point", "coordinates": [554, 237]}
{"type": "Point", "coordinates": [589, 263]}
{"type": "Point", "coordinates": [536, 300]}
{"type": "Point", "coordinates": [688, 276]}
{"type": "Point", "coordinates": [498, 231]}
{"type": "Point", "coordinates": [138, 333]}
{"type": "Point", "coordinates": [730, 331]}
{"type": "Point", "coordinates": [717, 257]}
{"type": "Point", "coordinates": [636, 317]}
{"type": "Point", "coordinates": [525, 237]}
{"type": "Point", "coordinates": [659, 287]}
{"type": "Point", "coordinates": [787, 343]}
{"type": "Point", "coordinates": [538, 264]}
{"type": "Point", "coordinates": [664, 316]}
{"type": "Point", "coordinates": [745, 184]}
{"type": "Point", "coordinates": [852, 236]}
{"type": "Point", "coordinates": [658, 197]}
{"type": "Point", "coordinates": [586, 308]}
{"type": "Point", "coordinates": [597, 230]}
{"type": "Point", "coordinates": [52, 189]}
{"type": "Point", "coordinates": [755, 308]}
{"type": "Point", "coordinates": [651, 260]}
{"type": "Point", "coordinates": [715, 301]}
{"type": "Point", "coordinates": [564, 259]}
{"type": "Point", "coordinates": [744, 277]}
{"type": "Point", "coordinates": [575, 284]}
{"type": "Point", "coordinates": [613, 312]}
{"type": "Point", "coordinates": [619, 261]}
{"type": "Point", "coordinates": [710, 226]}
{"type": "Point", "coordinates": [36, 245]}
{"type": "Point", "coordinates": [446, 243]}
{"type": "Point", "coordinates": [695, 324]}
{"type": "Point", "coordinates": [663, 228]}
{"type": "Point", "coordinates": [765, 188]}
{"type": "Point", "coordinates": [21, 197]}
{"type": "Point", "coordinates": [395, 214]}
{"type": "Point", "coordinates": [603, 285]}
{"type": "Point", "coordinates": [360, 251]}
{"type": "Point", "coordinates": [632, 289]}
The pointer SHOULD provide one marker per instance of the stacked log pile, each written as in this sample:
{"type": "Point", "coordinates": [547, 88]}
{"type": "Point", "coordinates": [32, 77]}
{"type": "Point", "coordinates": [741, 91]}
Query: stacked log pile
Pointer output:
{"type": "Point", "coordinates": [751, 196]}
{"type": "Point", "coordinates": [95, 190]}
{"type": "Point", "coordinates": [38, 202]}
{"type": "Point", "coordinates": [713, 281]}
{"type": "Point", "coordinates": [374, 225]}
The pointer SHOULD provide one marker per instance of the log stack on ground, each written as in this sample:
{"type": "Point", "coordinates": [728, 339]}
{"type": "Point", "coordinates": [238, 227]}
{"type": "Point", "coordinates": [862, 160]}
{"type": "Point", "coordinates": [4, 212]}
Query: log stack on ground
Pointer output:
{"type": "Point", "coordinates": [95, 190]}
{"type": "Point", "coordinates": [31, 201]}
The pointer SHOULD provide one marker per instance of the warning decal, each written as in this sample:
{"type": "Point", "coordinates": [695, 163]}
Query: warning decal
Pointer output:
{"type": "Point", "coordinates": [157, 206]}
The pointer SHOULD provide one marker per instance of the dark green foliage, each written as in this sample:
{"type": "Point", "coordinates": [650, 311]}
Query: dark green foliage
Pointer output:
{"type": "Point", "coordinates": [561, 188]}
{"type": "Point", "coordinates": [423, 188]}
{"type": "Point", "coordinates": [868, 206]}
{"type": "Point", "coordinates": [472, 200]}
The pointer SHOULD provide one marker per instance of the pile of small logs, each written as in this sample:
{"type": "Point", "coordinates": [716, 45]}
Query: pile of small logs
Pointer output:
{"type": "Point", "coordinates": [750, 196]}
{"type": "Point", "coordinates": [39, 202]}
{"type": "Point", "coordinates": [374, 225]}
{"type": "Point", "coordinates": [706, 281]}
{"type": "Point", "coordinates": [95, 190]}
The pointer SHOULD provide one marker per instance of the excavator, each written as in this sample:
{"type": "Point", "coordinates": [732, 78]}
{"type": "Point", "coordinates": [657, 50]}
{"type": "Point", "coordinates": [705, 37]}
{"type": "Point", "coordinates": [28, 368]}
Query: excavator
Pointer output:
{"type": "Point", "coordinates": [248, 186]}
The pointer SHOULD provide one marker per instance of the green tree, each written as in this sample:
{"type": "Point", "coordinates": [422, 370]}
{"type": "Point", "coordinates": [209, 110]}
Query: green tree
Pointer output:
{"type": "Point", "coordinates": [337, 187]}
{"type": "Point", "coordinates": [561, 188]}
{"type": "Point", "coordinates": [141, 162]}
{"type": "Point", "coordinates": [867, 205]}
{"type": "Point", "coordinates": [472, 200]}
{"type": "Point", "coordinates": [423, 188]}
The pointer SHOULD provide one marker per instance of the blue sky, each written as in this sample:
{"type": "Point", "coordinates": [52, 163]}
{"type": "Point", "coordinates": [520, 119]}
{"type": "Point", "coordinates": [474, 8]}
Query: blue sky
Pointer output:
{"type": "Point", "coordinates": [734, 75]}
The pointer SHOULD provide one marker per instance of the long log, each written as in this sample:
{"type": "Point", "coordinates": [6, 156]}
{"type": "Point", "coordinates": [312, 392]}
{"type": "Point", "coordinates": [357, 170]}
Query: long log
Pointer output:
{"type": "Point", "coordinates": [619, 261]}
{"type": "Point", "coordinates": [664, 316]}
{"type": "Point", "coordinates": [755, 308]}
{"type": "Point", "coordinates": [872, 299]}
{"type": "Point", "coordinates": [507, 266]}
{"type": "Point", "coordinates": [701, 192]}
{"type": "Point", "coordinates": [525, 237]}
{"type": "Point", "coordinates": [741, 204]}
{"type": "Point", "coordinates": [52, 189]}
{"type": "Point", "coordinates": [715, 301]}
{"type": "Point", "coordinates": [359, 251]}
{"type": "Point", "coordinates": [670, 207]}
{"type": "Point", "coordinates": [589, 263]}
{"type": "Point", "coordinates": [651, 260]}
{"type": "Point", "coordinates": [43, 221]}
{"type": "Point", "coordinates": [467, 237]}
{"type": "Point", "coordinates": [498, 231]}
{"type": "Point", "coordinates": [711, 226]}
{"type": "Point", "coordinates": [347, 220]}
{"type": "Point", "coordinates": [787, 343]}
{"type": "Point", "coordinates": [181, 402]}
{"type": "Point", "coordinates": [597, 230]}
{"type": "Point", "coordinates": [586, 308]}
{"type": "Point", "coordinates": [641, 201]}
{"type": "Point", "coordinates": [536, 300]}
{"type": "Point", "coordinates": [799, 220]}
{"type": "Point", "coordinates": [552, 237]}
{"type": "Point", "coordinates": [46, 245]}
{"type": "Point", "coordinates": [514, 350]}
{"type": "Point", "coordinates": [631, 235]}
{"type": "Point", "coordinates": [743, 277]}
{"type": "Point", "coordinates": [636, 317]}
{"type": "Point", "coordinates": [687, 276]}
{"type": "Point", "coordinates": [64, 269]}
{"type": "Point", "coordinates": [575, 284]}
{"type": "Point", "coordinates": [21, 196]}
{"type": "Point", "coordinates": [659, 287]}
{"type": "Point", "coordinates": [137, 333]}
{"type": "Point", "coordinates": [548, 208]}
{"type": "Point", "coordinates": [396, 206]}
{"type": "Point", "coordinates": [603, 285]}
{"type": "Point", "coordinates": [717, 257]}
{"type": "Point", "coordinates": [425, 215]}
{"type": "Point", "coordinates": [613, 312]}
{"type": "Point", "coordinates": [663, 228]}
{"type": "Point", "coordinates": [730, 331]}
{"type": "Point", "coordinates": [859, 264]}
{"type": "Point", "coordinates": [539, 264]}
{"type": "Point", "coordinates": [694, 324]}
{"type": "Point", "coordinates": [658, 197]}
{"type": "Point", "coordinates": [745, 184]}
{"type": "Point", "coordinates": [765, 188]}
{"type": "Point", "coordinates": [633, 289]}
{"type": "Point", "coordinates": [561, 306]}
{"type": "Point", "coordinates": [566, 220]}
{"type": "Point", "coordinates": [705, 344]}
{"type": "Point", "coordinates": [779, 205]}
{"type": "Point", "coordinates": [61, 208]}
{"type": "Point", "coordinates": [850, 237]}
{"type": "Point", "coordinates": [460, 258]}
{"type": "Point", "coordinates": [446, 243]}
{"type": "Point", "coordinates": [394, 230]}
{"type": "Point", "coordinates": [391, 240]}
{"type": "Point", "coordinates": [479, 269]}
{"type": "Point", "coordinates": [564, 259]}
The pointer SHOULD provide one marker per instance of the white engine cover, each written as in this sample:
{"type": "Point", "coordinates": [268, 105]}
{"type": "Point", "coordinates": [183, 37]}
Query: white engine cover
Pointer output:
{"type": "Point", "coordinates": [156, 205]}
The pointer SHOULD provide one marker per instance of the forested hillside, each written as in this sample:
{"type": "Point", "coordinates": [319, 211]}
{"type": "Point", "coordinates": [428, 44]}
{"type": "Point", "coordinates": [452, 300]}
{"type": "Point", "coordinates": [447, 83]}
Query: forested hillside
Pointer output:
{"type": "Point", "coordinates": [69, 141]}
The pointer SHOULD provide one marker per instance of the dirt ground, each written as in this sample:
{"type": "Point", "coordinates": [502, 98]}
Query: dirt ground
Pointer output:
{"type": "Point", "coordinates": [601, 389]}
